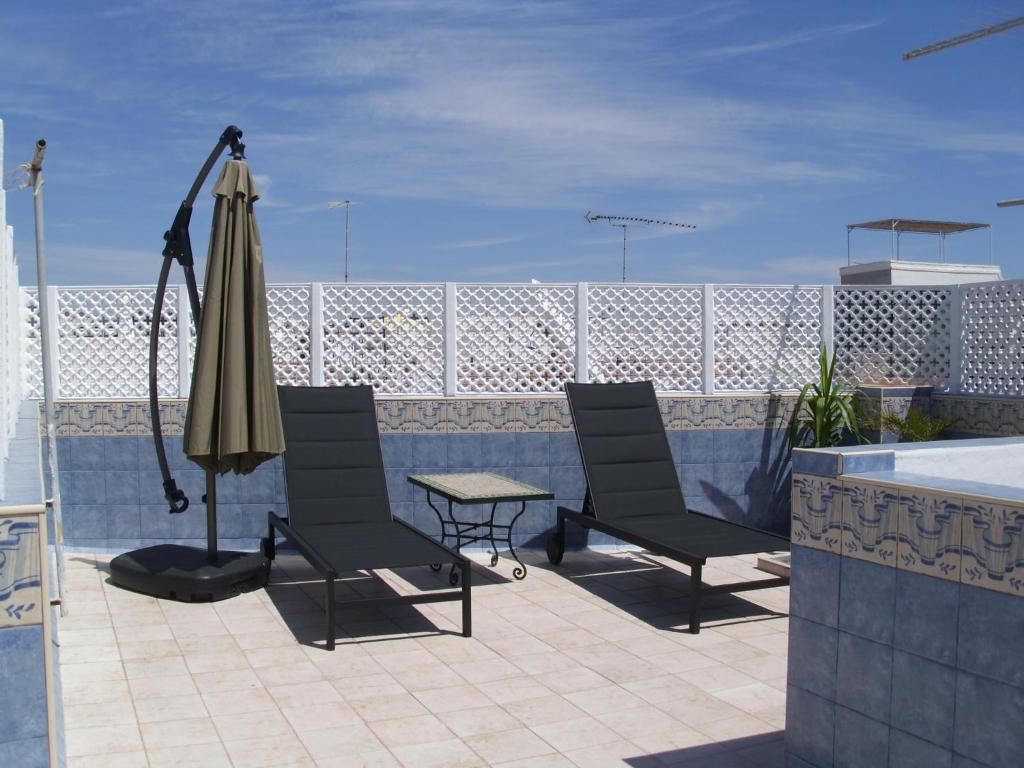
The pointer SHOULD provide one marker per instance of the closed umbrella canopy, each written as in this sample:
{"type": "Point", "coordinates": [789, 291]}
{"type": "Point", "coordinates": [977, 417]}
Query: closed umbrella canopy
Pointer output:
{"type": "Point", "coordinates": [234, 420]}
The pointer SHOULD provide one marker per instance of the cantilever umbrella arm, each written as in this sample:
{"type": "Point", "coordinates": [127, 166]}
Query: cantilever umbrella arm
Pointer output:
{"type": "Point", "coordinates": [179, 248]}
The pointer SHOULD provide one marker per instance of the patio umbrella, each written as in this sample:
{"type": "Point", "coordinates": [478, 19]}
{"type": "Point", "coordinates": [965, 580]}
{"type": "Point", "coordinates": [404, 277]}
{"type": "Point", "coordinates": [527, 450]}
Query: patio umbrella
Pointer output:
{"type": "Point", "coordinates": [233, 421]}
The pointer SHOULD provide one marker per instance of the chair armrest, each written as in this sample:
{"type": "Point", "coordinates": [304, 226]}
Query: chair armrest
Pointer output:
{"type": "Point", "coordinates": [299, 542]}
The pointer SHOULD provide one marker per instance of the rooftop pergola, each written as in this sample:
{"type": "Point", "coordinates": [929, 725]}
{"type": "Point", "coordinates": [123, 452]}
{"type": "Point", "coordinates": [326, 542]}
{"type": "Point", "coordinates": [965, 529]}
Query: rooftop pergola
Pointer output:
{"type": "Point", "coordinates": [919, 227]}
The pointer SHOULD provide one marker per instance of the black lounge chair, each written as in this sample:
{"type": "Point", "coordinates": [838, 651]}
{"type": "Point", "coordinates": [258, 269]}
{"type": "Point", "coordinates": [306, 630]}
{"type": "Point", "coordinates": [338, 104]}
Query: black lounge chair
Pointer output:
{"type": "Point", "coordinates": [339, 515]}
{"type": "Point", "coordinates": [633, 490]}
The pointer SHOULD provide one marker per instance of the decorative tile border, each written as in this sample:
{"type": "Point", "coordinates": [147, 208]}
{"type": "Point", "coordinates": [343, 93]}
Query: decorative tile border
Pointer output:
{"type": "Point", "coordinates": [21, 593]}
{"type": "Point", "coordinates": [985, 416]}
{"type": "Point", "coordinates": [993, 546]}
{"type": "Point", "coordinates": [870, 522]}
{"type": "Point", "coordinates": [817, 512]}
{"type": "Point", "coordinates": [961, 538]}
{"type": "Point", "coordinates": [450, 415]}
{"type": "Point", "coordinates": [930, 531]}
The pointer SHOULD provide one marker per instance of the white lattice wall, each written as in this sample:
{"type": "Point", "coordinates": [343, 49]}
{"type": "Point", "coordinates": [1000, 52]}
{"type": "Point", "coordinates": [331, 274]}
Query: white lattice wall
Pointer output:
{"type": "Point", "coordinates": [525, 339]}
{"type": "Point", "coordinates": [103, 338]}
{"type": "Point", "coordinates": [390, 336]}
{"type": "Point", "coordinates": [31, 345]}
{"type": "Point", "coordinates": [646, 332]}
{"type": "Point", "coordinates": [992, 338]}
{"type": "Point", "coordinates": [766, 338]}
{"type": "Point", "coordinates": [10, 333]}
{"type": "Point", "coordinates": [289, 311]}
{"type": "Point", "coordinates": [893, 335]}
{"type": "Point", "coordinates": [515, 338]}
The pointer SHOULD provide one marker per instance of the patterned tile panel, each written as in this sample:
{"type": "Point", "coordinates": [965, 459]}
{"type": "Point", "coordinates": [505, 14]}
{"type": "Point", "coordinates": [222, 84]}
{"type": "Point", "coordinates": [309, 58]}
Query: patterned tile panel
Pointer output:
{"type": "Point", "coordinates": [870, 522]}
{"type": "Point", "coordinates": [20, 583]}
{"type": "Point", "coordinates": [988, 416]}
{"type": "Point", "coordinates": [817, 505]}
{"type": "Point", "coordinates": [454, 415]}
{"type": "Point", "coordinates": [993, 546]}
{"type": "Point", "coordinates": [412, 416]}
{"type": "Point", "coordinates": [929, 529]}
{"type": "Point", "coordinates": [488, 415]}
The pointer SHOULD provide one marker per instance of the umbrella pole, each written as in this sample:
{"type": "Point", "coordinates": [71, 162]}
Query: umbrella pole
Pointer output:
{"type": "Point", "coordinates": [211, 514]}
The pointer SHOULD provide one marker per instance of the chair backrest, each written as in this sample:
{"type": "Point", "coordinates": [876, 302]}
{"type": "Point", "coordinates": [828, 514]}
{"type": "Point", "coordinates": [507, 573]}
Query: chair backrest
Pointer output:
{"type": "Point", "coordinates": [626, 455]}
{"type": "Point", "coordinates": [333, 466]}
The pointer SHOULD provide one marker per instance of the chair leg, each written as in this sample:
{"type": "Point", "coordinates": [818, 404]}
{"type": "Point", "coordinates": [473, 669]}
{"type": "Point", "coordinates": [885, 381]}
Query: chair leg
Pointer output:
{"type": "Point", "coordinates": [695, 584]}
{"type": "Point", "coordinates": [467, 608]}
{"type": "Point", "coordinates": [329, 609]}
{"type": "Point", "coordinates": [270, 543]}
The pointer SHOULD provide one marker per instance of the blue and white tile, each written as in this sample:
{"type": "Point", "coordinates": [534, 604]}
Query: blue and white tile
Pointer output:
{"type": "Point", "coordinates": [533, 415]}
{"type": "Point", "coordinates": [491, 415]}
{"type": "Point", "coordinates": [559, 417]}
{"type": "Point", "coordinates": [817, 512]}
{"type": "Point", "coordinates": [929, 534]}
{"type": "Point", "coordinates": [20, 580]}
{"type": "Point", "coordinates": [870, 521]}
{"type": "Point", "coordinates": [412, 416]}
{"type": "Point", "coordinates": [993, 546]}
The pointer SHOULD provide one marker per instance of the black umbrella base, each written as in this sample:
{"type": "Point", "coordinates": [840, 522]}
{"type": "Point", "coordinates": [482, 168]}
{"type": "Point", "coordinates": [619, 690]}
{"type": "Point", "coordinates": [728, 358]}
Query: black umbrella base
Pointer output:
{"type": "Point", "coordinates": [186, 574]}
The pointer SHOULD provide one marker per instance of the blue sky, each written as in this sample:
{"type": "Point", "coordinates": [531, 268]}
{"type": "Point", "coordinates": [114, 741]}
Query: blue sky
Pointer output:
{"type": "Point", "coordinates": [473, 136]}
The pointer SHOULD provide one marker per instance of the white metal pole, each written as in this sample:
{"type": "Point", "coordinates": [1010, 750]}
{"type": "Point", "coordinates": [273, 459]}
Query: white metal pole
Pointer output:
{"type": "Point", "coordinates": [709, 339]}
{"type": "Point", "coordinates": [348, 204]}
{"type": "Point", "coordinates": [316, 334]}
{"type": "Point", "coordinates": [582, 313]}
{"type": "Point", "coordinates": [450, 345]}
{"type": "Point", "coordinates": [45, 329]}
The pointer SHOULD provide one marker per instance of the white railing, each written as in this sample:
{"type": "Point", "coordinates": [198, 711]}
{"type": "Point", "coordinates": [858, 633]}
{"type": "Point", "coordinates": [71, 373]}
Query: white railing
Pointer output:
{"type": "Point", "coordinates": [10, 336]}
{"type": "Point", "coordinates": [447, 339]}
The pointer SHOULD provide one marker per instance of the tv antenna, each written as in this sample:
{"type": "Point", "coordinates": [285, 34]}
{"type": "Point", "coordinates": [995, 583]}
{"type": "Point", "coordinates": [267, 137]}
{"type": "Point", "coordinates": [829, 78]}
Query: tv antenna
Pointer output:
{"type": "Point", "coordinates": [624, 222]}
{"type": "Point", "coordinates": [968, 37]}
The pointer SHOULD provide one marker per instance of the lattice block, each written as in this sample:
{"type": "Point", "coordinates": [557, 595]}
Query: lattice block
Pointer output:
{"type": "Point", "coordinates": [892, 335]}
{"type": "Point", "coordinates": [103, 342]}
{"type": "Point", "coordinates": [646, 332]}
{"type": "Point", "coordinates": [993, 338]}
{"type": "Point", "coordinates": [390, 336]}
{"type": "Point", "coordinates": [515, 338]}
{"type": "Point", "coordinates": [766, 338]}
{"type": "Point", "coordinates": [288, 308]}
{"type": "Point", "coordinates": [31, 345]}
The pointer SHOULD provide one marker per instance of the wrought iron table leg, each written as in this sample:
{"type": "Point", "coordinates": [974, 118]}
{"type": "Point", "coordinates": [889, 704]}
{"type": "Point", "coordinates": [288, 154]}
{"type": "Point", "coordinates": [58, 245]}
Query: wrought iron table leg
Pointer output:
{"type": "Point", "coordinates": [494, 546]}
{"type": "Point", "coordinates": [430, 502]}
{"type": "Point", "coordinates": [453, 573]}
{"type": "Point", "coordinates": [519, 572]}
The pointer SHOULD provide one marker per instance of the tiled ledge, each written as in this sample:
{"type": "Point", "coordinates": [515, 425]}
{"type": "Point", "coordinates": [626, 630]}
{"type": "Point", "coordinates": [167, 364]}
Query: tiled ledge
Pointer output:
{"type": "Point", "coordinates": [450, 415]}
{"type": "Point", "coordinates": [898, 521]}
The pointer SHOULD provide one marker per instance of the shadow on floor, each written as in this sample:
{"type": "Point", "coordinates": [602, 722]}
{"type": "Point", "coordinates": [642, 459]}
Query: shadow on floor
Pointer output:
{"type": "Point", "coordinates": [297, 592]}
{"type": "Point", "coordinates": [656, 594]}
{"type": "Point", "coordinates": [765, 750]}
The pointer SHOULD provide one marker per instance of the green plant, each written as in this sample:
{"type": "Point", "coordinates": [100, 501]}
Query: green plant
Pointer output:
{"type": "Point", "coordinates": [916, 427]}
{"type": "Point", "coordinates": [825, 415]}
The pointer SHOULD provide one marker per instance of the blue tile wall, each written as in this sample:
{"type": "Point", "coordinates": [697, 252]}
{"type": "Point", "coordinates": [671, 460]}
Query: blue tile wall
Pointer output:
{"type": "Point", "coordinates": [891, 667]}
{"type": "Point", "coordinates": [860, 742]}
{"type": "Point", "coordinates": [22, 670]}
{"type": "Point", "coordinates": [113, 492]}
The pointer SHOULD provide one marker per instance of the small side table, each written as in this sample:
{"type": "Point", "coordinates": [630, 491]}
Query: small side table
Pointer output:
{"type": "Point", "coordinates": [466, 488]}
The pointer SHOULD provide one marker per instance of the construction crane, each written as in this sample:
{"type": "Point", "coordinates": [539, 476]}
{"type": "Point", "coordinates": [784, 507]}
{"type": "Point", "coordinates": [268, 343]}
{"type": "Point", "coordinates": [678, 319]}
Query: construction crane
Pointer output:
{"type": "Point", "coordinates": [624, 222]}
{"type": "Point", "coordinates": [969, 37]}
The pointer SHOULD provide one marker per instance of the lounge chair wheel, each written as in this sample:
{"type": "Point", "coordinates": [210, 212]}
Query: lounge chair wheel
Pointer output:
{"type": "Point", "coordinates": [556, 549]}
{"type": "Point", "coordinates": [494, 560]}
{"type": "Point", "coordinates": [453, 576]}
{"type": "Point", "coordinates": [435, 566]}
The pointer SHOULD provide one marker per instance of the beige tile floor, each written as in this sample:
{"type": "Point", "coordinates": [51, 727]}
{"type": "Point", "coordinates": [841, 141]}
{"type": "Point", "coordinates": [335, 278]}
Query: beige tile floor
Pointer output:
{"type": "Point", "coordinates": [585, 666]}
